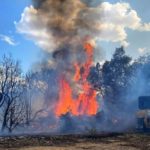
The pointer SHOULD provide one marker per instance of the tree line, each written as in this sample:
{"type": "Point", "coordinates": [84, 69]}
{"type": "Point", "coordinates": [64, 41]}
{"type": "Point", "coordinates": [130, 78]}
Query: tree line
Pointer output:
{"type": "Point", "coordinates": [119, 81]}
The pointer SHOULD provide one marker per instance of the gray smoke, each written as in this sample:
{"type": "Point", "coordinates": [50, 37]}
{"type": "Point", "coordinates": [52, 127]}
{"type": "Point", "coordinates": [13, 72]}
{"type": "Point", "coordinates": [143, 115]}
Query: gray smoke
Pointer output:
{"type": "Point", "coordinates": [67, 21]}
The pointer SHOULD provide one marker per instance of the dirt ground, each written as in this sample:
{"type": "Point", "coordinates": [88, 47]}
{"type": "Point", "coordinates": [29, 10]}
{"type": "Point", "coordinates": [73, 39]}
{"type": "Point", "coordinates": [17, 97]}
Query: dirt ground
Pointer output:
{"type": "Point", "coordinates": [70, 142]}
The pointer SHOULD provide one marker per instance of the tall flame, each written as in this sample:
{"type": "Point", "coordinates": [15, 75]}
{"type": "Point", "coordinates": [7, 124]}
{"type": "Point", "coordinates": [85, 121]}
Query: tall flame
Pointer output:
{"type": "Point", "coordinates": [85, 102]}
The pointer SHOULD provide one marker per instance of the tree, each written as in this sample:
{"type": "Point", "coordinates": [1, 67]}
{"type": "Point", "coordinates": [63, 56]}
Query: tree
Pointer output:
{"type": "Point", "coordinates": [113, 79]}
{"type": "Point", "coordinates": [94, 76]}
{"type": "Point", "coordinates": [116, 75]}
{"type": "Point", "coordinates": [36, 86]}
{"type": "Point", "coordinates": [141, 76]}
{"type": "Point", "coordinates": [11, 87]}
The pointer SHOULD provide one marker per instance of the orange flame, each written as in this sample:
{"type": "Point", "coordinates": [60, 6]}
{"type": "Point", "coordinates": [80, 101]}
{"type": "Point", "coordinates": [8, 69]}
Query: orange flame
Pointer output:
{"type": "Point", "coordinates": [77, 72]}
{"type": "Point", "coordinates": [85, 103]}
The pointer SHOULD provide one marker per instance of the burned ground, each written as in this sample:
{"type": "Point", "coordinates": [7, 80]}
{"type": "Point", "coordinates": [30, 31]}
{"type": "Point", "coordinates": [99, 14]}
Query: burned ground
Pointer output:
{"type": "Point", "coordinates": [72, 142]}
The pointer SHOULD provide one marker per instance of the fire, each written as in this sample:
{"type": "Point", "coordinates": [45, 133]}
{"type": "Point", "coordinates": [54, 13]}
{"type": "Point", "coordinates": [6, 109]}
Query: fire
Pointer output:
{"type": "Point", "coordinates": [77, 72]}
{"type": "Point", "coordinates": [85, 102]}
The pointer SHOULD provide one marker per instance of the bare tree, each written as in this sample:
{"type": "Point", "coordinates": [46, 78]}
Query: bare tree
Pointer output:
{"type": "Point", "coordinates": [28, 99]}
{"type": "Point", "coordinates": [15, 115]}
{"type": "Point", "coordinates": [33, 88]}
{"type": "Point", "coordinates": [12, 86]}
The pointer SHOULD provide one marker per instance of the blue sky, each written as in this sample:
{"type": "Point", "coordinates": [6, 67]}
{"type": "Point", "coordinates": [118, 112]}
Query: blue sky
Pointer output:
{"type": "Point", "coordinates": [27, 52]}
{"type": "Point", "coordinates": [24, 50]}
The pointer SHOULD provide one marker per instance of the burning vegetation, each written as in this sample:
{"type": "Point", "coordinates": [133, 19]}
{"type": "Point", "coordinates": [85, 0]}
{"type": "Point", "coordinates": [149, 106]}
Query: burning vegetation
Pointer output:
{"type": "Point", "coordinates": [85, 102]}
{"type": "Point", "coordinates": [73, 54]}
{"type": "Point", "coordinates": [68, 92]}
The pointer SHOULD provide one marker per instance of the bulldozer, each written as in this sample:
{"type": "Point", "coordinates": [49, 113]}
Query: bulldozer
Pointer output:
{"type": "Point", "coordinates": [143, 114]}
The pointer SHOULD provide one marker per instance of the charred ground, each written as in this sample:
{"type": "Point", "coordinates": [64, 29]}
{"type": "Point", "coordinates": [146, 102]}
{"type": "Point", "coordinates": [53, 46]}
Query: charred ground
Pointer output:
{"type": "Point", "coordinates": [111, 141]}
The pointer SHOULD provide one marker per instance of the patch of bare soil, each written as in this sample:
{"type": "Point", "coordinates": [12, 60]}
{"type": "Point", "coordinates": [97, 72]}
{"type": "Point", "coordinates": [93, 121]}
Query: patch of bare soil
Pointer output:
{"type": "Point", "coordinates": [72, 142]}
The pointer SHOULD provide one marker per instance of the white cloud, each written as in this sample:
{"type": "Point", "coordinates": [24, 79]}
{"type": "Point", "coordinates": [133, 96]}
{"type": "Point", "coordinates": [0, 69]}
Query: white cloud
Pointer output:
{"type": "Point", "coordinates": [114, 19]}
{"type": "Point", "coordinates": [7, 39]}
{"type": "Point", "coordinates": [106, 22]}
{"type": "Point", "coordinates": [39, 33]}
{"type": "Point", "coordinates": [142, 50]}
